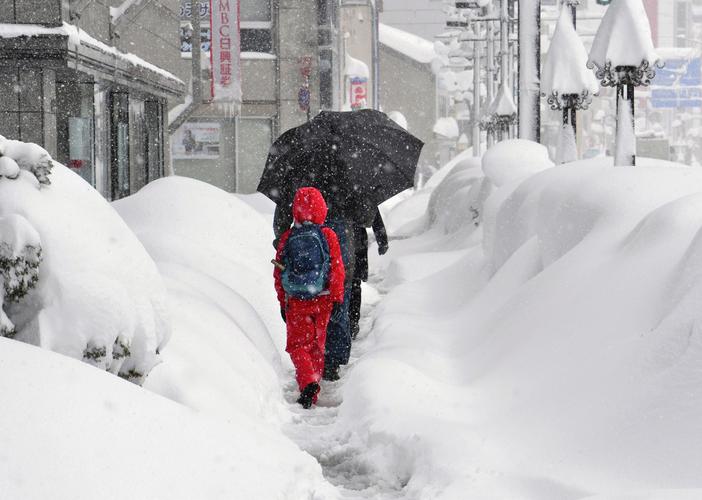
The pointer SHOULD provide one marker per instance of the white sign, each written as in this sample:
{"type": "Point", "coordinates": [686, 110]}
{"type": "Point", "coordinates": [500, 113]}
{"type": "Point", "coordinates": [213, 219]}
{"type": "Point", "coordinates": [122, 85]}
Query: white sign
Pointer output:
{"type": "Point", "coordinates": [197, 141]}
{"type": "Point", "coordinates": [226, 47]}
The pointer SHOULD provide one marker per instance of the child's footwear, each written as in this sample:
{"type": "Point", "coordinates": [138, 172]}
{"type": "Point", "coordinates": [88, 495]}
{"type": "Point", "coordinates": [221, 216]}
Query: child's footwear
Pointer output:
{"type": "Point", "coordinates": [307, 396]}
{"type": "Point", "coordinates": [331, 373]}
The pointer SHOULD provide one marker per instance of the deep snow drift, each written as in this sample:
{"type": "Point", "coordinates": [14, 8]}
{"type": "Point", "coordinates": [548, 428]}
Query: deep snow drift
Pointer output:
{"type": "Point", "coordinates": [98, 296]}
{"type": "Point", "coordinates": [214, 252]}
{"type": "Point", "coordinates": [70, 431]}
{"type": "Point", "coordinates": [540, 340]}
{"type": "Point", "coordinates": [553, 351]}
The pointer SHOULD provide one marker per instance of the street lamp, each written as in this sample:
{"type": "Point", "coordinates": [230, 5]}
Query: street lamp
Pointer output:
{"type": "Point", "coordinates": [624, 62]}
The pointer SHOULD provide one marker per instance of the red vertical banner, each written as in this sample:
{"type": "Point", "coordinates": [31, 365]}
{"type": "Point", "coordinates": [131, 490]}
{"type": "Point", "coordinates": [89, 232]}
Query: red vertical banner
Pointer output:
{"type": "Point", "coordinates": [225, 51]}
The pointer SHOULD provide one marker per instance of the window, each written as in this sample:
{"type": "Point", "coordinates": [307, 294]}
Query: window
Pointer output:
{"type": "Point", "coordinates": [154, 139]}
{"type": "Point", "coordinates": [256, 26]}
{"type": "Point", "coordinates": [119, 145]}
{"type": "Point", "coordinates": [75, 125]}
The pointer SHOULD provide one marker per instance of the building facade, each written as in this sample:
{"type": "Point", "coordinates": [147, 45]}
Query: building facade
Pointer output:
{"type": "Point", "coordinates": [409, 87]}
{"type": "Point", "coordinates": [291, 68]}
{"type": "Point", "coordinates": [424, 18]}
{"type": "Point", "coordinates": [71, 82]}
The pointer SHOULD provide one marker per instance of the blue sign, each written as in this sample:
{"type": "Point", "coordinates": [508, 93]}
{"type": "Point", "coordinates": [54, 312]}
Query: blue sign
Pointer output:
{"type": "Point", "coordinates": [678, 84]}
{"type": "Point", "coordinates": [303, 98]}
{"type": "Point", "coordinates": [679, 72]}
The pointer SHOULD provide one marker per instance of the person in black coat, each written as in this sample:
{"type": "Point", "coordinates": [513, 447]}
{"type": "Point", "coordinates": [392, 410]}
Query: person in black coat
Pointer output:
{"type": "Point", "coordinates": [360, 272]}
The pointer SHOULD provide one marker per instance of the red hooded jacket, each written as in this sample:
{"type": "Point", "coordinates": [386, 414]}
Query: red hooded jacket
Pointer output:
{"type": "Point", "coordinates": [309, 205]}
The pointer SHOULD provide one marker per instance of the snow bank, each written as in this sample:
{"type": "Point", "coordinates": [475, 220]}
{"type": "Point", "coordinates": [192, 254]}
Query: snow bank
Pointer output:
{"type": "Point", "coordinates": [553, 355]}
{"type": "Point", "coordinates": [447, 127]}
{"type": "Point", "coordinates": [513, 160]}
{"type": "Point", "coordinates": [68, 431]}
{"type": "Point", "coordinates": [214, 252]}
{"type": "Point", "coordinates": [98, 296]}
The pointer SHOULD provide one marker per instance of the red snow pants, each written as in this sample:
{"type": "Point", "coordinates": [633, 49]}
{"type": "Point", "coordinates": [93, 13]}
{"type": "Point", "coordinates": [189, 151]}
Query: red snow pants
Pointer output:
{"type": "Point", "coordinates": [306, 322]}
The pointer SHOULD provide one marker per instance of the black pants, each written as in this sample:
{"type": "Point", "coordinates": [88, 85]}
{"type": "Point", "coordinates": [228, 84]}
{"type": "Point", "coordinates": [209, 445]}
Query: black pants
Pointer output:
{"type": "Point", "coordinates": [355, 307]}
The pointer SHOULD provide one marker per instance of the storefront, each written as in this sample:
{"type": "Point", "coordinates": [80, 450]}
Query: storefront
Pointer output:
{"type": "Point", "coordinates": [96, 110]}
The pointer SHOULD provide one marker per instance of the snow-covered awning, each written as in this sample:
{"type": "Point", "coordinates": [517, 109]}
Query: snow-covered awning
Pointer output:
{"type": "Point", "coordinates": [410, 45]}
{"type": "Point", "coordinates": [65, 42]}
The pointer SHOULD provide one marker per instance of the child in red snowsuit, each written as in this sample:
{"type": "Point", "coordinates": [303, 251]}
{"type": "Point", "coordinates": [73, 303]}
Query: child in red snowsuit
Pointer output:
{"type": "Point", "coordinates": [307, 319]}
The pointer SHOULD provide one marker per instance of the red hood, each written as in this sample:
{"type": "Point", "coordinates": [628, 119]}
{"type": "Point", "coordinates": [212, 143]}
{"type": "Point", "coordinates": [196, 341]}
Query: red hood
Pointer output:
{"type": "Point", "coordinates": [309, 205]}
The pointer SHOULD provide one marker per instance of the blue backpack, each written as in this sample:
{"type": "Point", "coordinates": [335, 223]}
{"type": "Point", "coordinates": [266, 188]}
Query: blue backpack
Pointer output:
{"type": "Point", "coordinates": [307, 262]}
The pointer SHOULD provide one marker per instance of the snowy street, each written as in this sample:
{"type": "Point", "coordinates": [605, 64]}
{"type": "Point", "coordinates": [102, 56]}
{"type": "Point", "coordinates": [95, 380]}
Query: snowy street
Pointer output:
{"type": "Point", "coordinates": [198, 197]}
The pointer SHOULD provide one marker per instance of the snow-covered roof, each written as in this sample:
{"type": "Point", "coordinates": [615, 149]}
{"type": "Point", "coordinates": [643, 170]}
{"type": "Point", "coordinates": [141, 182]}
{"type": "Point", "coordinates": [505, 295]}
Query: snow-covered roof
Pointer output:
{"type": "Point", "coordinates": [412, 46]}
{"type": "Point", "coordinates": [78, 37]}
{"type": "Point", "coordinates": [624, 37]}
{"type": "Point", "coordinates": [565, 68]}
{"type": "Point", "coordinates": [446, 127]}
{"type": "Point", "coordinates": [117, 12]}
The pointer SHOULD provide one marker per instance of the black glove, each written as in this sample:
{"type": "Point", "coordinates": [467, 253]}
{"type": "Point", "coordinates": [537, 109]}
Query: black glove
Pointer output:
{"type": "Point", "coordinates": [382, 249]}
{"type": "Point", "coordinates": [282, 314]}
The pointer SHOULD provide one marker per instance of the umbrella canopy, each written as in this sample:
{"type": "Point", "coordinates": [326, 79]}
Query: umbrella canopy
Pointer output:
{"type": "Point", "coordinates": [357, 159]}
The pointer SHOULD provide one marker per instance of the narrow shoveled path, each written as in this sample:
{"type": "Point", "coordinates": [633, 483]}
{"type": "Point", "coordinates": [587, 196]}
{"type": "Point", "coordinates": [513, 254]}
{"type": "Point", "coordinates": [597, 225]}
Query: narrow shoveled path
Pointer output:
{"type": "Point", "coordinates": [339, 451]}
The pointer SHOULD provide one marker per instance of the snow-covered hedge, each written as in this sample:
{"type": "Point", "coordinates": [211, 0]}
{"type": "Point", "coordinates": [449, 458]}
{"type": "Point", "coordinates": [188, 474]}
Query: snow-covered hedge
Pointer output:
{"type": "Point", "coordinates": [556, 357]}
{"type": "Point", "coordinates": [75, 279]}
{"type": "Point", "coordinates": [213, 251]}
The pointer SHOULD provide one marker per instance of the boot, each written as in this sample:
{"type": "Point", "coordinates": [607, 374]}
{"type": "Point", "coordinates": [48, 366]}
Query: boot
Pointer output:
{"type": "Point", "coordinates": [331, 373]}
{"type": "Point", "coordinates": [307, 395]}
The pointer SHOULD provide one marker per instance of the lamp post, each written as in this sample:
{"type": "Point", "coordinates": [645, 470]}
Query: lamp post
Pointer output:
{"type": "Point", "coordinates": [473, 6]}
{"type": "Point", "coordinates": [626, 79]}
{"type": "Point", "coordinates": [624, 62]}
{"type": "Point", "coordinates": [530, 69]}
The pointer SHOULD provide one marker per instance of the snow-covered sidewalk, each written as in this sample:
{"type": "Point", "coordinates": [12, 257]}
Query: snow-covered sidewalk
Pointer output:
{"type": "Point", "coordinates": [533, 333]}
{"type": "Point", "coordinates": [540, 337]}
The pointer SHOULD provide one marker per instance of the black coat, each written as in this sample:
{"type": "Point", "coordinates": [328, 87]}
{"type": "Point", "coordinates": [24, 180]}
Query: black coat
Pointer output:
{"type": "Point", "coordinates": [361, 245]}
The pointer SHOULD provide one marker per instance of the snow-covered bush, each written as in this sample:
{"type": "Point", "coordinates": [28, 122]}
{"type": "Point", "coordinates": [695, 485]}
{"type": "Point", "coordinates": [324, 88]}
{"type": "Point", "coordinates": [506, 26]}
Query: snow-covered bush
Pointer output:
{"type": "Point", "coordinates": [20, 256]}
{"type": "Point", "coordinates": [26, 156]}
{"type": "Point", "coordinates": [213, 251]}
{"type": "Point", "coordinates": [75, 278]}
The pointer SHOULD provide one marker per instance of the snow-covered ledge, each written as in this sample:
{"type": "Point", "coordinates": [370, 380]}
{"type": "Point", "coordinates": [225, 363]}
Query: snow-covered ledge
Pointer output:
{"type": "Point", "coordinates": [78, 40]}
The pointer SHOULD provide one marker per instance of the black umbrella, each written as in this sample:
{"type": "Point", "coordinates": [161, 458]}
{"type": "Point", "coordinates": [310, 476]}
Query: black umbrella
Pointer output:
{"type": "Point", "coordinates": [357, 159]}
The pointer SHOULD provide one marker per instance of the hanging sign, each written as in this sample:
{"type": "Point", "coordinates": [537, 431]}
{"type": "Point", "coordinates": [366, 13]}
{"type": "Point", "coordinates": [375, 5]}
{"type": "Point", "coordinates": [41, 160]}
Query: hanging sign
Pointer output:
{"type": "Point", "coordinates": [359, 93]}
{"type": "Point", "coordinates": [225, 51]}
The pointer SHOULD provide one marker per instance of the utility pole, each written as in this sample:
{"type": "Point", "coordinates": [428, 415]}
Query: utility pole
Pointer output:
{"type": "Point", "coordinates": [196, 51]}
{"type": "Point", "coordinates": [490, 72]}
{"type": "Point", "coordinates": [530, 70]}
{"type": "Point", "coordinates": [476, 99]}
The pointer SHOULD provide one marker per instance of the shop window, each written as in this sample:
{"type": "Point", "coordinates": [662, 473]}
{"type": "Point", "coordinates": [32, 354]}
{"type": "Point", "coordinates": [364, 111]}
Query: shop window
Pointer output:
{"type": "Point", "coordinates": [153, 111]}
{"type": "Point", "coordinates": [256, 26]}
{"type": "Point", "coordinates": [119, 145]}
{"type": "Point", "coordinates": [75, 136]}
